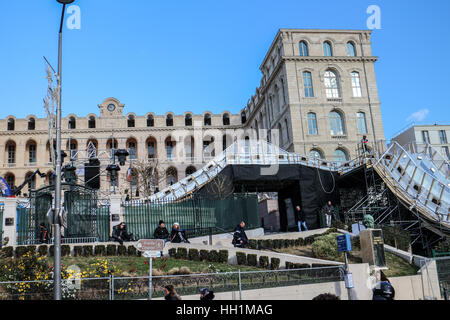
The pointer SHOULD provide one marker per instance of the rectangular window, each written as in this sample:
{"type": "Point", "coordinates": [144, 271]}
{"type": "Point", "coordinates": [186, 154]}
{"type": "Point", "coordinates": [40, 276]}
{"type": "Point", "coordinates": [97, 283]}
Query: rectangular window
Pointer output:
{"type": "Point", "coordinates": [32, 153]}
{"type": "Point", "coordinates": [151, 150]}
{"type": "Point", "coordinates": [312, 124]}
{"type": "Point", "coordinates": [307, 83]}
{"type": "Point", "coordinates": [362, 126]}
{"type": "Point", "coordinates": [356, 85]}
{"type": "Point", "coordinates": [425, 136]}
{"type": "Point", "coordinates": [11, 154]}
{"type": "Point", "coordinates": [132, 150]}
{"type": "Point", "coordinates": [169, 147]}
{"type": "Point", "coordinates": [443, 136]}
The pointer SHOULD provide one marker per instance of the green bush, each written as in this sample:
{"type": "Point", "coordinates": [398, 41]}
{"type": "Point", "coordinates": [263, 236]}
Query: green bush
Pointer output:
{"type": "Point", "coordinates": [252, 244]}
{"type": "Point", "coordinates": [276, 244]}
{"type": "Point", "coordinates": [309, 240]}
{"type": "Point", "coordinates": [20, 251]}
{"type": "Point", "coordinates": [194, 255]}
{"type": "Point", "coordinates": [31, 249]}
{"type": "Point", "coordinates": [223, 256]}
{"type": "Point", "coordinates": [182, 253]}
{"type": "Point", "coordinates": [172, 253]}
{"type": "Point", "coordinates": [65, 250]}
{"type": "Point", "coordinates": [251, 260]}
{"type": "Point", "coordinates": [43, 250]}
{"type": "Point", "coordinates": [121, 250]}
{"type": "Point", "coordinates": [291, 242]}
{"type": "Point", "coordinates": [320, 265]}
{"type": "Point", "coordinates": [132, 251]}
{"type": "Point", "coordinates": [51, 250]}
{"type": "Point", "coordinates": [338, 225]}
{"type": "Point", "coordinates": [111, 250]}
{"type": "Point", "coordinates": [325, 247]}
{"type": "Point", "coordinates": [77, 251]}
{"type": "Point", "coordinates": [301, 266]}
{"type": "Point", "coordinates": [241, 258]}
{"type": "Point", "coordinates": [269, 243]}
{"type": "Point", "coordinates": [204, 255]}
{"type": "Point", "coordinates": [259, 244]}
{"type": "Point", "coordinates": [274, 263]}
{"type": "Point", "coordinates": [100, 250]}
{"type": "Point", "coordinates": [7, 252]}
{"type": "Point", "coordinates": [87, 251]}
{"type": "Point", "coordinates": [289, 265]}
{"type": "Point", "coordinates": [213, 256]}
{"type": "Point", "coordinates": [264, 262]}
{"type": "Point", "coordinates": [285, 243]}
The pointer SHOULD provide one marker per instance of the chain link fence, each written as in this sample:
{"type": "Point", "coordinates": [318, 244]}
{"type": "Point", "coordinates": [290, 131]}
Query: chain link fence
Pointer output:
{"type": "Point", "coordinates": [137, 288]}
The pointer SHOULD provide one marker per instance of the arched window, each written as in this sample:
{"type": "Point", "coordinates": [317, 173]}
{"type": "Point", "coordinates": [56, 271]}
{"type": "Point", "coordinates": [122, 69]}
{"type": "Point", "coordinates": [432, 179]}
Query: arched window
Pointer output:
{"type": "Point", "coordinates": [31, 124]}
{"type": "Point", "coordinates": [207, 119]}
{"type": "Point", "coordinates": [226, 119]}
{"type": "Point", "coordinates": [131, 122]}
{"type": "Point", "coordinates": [151, 149]}
{"type": "Point", "coordinates": [169, 120]}
{"type": "Point", "coordinates": [312, 123]}
{"type": "Point", "coordinates": [361, 122]}
{"type": "Point", "coordinates": [172, 176]}
{"type": "Point", "coordinates": [11, 124]}
{"type": "Point", "coordinates": [356, 85]}
{"type": "Point", "coordinates": [243, 117]}
{"type": "Point", "coordinates": [351, 50]}
{"type": "Point", "coordinates": [336, 124]}
{"type": "Point", "coordinates": [303, 46]}
{"type": "Point", "coordinates": [190, 170]}
{"type": "Point", "coordinates": [132, 146]}
{"type": "Point", "coordinates": [72, 123]}
{"type": "Point", "coordinates": [340, 155]}
{"type": "Point", "coordinates": [150, 121]}
{"type": "Point", "coordinates": [91, 122]}
{"type": "Point", "coordinates": [315, 154]}
{"type": "Point", "coordinates": [188, 120]}
{"type": "Point", "coordinates": [327, 49]}
{"type": "Point", "coordinates": [332, 84]}
{"type": "Point", "coordinates": [308, 85]}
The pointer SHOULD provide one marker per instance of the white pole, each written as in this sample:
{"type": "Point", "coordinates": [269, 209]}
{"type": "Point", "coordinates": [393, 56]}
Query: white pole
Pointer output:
{"type": "Point", "coordinates": [150, 279]}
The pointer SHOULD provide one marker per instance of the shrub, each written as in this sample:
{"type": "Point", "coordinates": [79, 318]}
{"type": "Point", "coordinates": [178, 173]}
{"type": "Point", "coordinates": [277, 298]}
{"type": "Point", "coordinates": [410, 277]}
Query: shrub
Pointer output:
{"type": "Point", "coordinates": [276, 243]}
{"type": "Point", "coordinates": [309, 240]}
{"type": "Point", "coordinates": [301, 266]}
{"type": "Point", "coordinates": [194, 255]}
{"type": "Point", "coordinates": [7, 252]}
{"type": "Point", "coordinates": [51, 251]}
{"type": "Point", "coordinates": [131, 251]}
{"type": "Point", "coordinates": [20, 251]}
{"type": "Point", "coordinates": [223, 256]}
{"type": "Point", "coordinates": [204, 255]}
{"type": "Point", "coordinates": [289, 265]}
{"type": "Point", "coordinates": [31, 249]}
{"type": "Point", "coordinates": [251, 260]}
{"type": "Point", "coordinates": [173, 252]}
{"type": "Point", "coordinates": [274, 263]}
{"type": "Point", "coordinates": [65, 250]}
{"type": "Point", "coordinates": [291, 242]}
{"type": "Point", "coordinates": [325, 247]}
{"type": "Point", "coordinates": [182, 253]}
{"type": "Point", "coordinates": [264, 262]}
{"type": "Point", "coordinates": [259, 244]}
{"type": "Point", "coordinates": [339, 225]}
{"type": "Point", "coordinates": [285, 243]}
{"type": "Point", "coordinates": [213, 256]}
{"type": "Point", "coordinates": [121, 250]}
{"type": "Point", "coordinates": [111, 250]}
{"type": "Point", "coordinates": [252, 244]}
{"type": "Point", "coordinates": [87, 251]}
{"type": "Point", "coordinates": [320, 265]}
{"type": "Point", "coordinates": [269, 243]}
{"type": "Point", "coordinates": [179, 271]}
{"type": "Point", "coordinates": [100, 250]}
{"type": "Point", "coordinates": [241, 258]}
{"type": "Point", "coordinates": [43, 250]}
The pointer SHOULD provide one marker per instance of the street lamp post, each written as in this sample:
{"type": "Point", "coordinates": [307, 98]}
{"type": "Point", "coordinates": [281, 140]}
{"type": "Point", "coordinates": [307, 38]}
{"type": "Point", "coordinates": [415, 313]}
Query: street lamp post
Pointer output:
{"type": "Point", "coordinates": [56, 222]}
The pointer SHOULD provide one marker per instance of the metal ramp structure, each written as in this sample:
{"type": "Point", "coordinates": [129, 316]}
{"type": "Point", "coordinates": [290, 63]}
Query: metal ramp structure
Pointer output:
{"type": "Point", "coordinates": [418, 181]}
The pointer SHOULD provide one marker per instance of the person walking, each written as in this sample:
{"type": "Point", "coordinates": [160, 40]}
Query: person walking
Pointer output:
{"type": "Point", "coordinates": [328, 211]}
{"type": "Point", "coordinates": [240, 239]}
{"type": "Point", "coordinates": [205, 294]}
{"type": "Point", "coordinates": [301, 219]}
{"type": "Point", "coordinates": [170, 293]}
{"type": "Point", "coordinates": [178, 235]}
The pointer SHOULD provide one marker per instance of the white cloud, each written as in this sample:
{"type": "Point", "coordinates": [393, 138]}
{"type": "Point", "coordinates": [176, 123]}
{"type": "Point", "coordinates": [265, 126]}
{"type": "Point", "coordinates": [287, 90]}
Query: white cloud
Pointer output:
{"type": "Point", "coordinates": [418, 115]}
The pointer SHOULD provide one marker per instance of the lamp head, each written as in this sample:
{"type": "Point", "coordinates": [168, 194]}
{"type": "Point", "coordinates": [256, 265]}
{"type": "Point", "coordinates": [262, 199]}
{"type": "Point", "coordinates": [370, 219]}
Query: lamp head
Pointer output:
{"type": "Point", "coordinates": [65, 1]}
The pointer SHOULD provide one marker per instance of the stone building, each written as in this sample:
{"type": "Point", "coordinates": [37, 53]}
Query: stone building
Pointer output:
{"type": "Point", "coordinates": [317, 97]}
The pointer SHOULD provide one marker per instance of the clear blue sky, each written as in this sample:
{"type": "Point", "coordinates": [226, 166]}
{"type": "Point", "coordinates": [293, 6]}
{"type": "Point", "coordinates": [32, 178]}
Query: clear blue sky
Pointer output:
{"type": "Point", "coordinates": [204, 55]}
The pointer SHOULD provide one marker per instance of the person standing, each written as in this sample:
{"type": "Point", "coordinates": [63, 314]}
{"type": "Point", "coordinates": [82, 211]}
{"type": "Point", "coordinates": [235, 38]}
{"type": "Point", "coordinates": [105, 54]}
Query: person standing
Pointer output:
{"type": "Point", "coordinates": [364, 142]}
{"type": "Point", "coordinates": [301, 219]}
{"type": "Point", "coordinates": [328, 211]}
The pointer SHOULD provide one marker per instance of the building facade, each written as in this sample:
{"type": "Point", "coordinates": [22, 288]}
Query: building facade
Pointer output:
{"type": "Point", "coordinates": [317, 97]}
{"type": "Point", "coordinates": [423, 135]}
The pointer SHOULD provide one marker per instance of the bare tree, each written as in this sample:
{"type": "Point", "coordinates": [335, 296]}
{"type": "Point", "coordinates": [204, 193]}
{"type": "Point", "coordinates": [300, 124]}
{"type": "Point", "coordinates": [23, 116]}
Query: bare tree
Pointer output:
{"type": "Point", "coordinates": [148, 174]}
{"type": "Point", "coordinates": [221, 187]}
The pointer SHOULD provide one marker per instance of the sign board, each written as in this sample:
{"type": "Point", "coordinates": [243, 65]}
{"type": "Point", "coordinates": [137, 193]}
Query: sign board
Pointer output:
{"type": "Point", "coordinates": [344, 243]}
{"type": "Point", "coordinates": [150, 245]}
{"type": "Point", "coordinates": [151, 254]}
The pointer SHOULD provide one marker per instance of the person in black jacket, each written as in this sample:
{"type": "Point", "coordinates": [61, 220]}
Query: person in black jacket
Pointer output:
{"type": "Point", "coordinates": [121, 234]}
{"type": "Point", "coordinates": [205, 294]}
{"type": "Point", "coordinates": [240, 239]}
{"type": "Point", "coordinates": [178, 235]}
{"type": "Point", "coordinates": [161, 232]}
{"type": "Point", "coordinates": [170, 293]}
{"type": "Point", "coordinates": [43, 233]}
{"type": "Point", "coordinates": [301, 219]}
